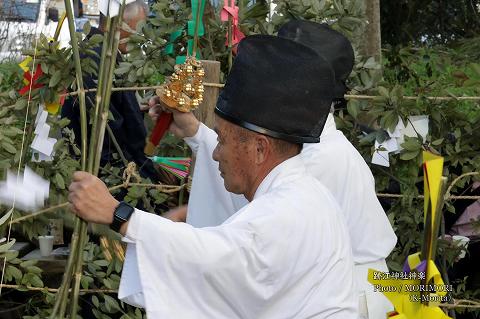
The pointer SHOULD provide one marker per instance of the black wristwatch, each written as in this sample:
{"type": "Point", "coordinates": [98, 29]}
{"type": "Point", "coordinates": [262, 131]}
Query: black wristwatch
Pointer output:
{"type": "Point", "coordinates": [122, 214]}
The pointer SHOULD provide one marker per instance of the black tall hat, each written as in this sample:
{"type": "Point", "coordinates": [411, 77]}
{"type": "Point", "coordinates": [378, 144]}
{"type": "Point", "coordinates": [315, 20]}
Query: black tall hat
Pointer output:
{"type": "Point", "coordinates": [330, 44]}
{"type": "Point", "coordinates": [278, 88]}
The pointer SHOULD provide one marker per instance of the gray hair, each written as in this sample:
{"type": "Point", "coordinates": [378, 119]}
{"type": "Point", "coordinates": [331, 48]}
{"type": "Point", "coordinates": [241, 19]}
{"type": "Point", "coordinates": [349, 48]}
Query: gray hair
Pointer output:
{"type": "Point", "coordinates": [131, 10]}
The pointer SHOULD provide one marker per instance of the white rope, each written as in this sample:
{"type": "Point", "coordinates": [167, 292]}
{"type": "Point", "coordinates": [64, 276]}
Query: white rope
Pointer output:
{"type": "Point", "coordinates": [33, 69]}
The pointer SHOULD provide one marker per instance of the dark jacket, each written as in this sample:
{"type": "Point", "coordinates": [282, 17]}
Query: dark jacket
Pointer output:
{"type": "Point", "coordinates": [128, 125]}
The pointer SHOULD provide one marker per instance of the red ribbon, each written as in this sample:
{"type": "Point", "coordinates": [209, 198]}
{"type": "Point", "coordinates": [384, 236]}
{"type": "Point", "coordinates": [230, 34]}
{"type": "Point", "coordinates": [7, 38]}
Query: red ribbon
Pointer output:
{"type": "Point", "coordinates": [32, 80]}
{"type": "Point", "coordinates": [161, 127]}
{"type": "Point", "coordinates": [231, 11]}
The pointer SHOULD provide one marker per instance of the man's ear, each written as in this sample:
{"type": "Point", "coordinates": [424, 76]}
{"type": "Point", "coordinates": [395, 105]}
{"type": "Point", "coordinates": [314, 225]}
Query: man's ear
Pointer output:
{"type": "Point", "coordinates": [263, 148]}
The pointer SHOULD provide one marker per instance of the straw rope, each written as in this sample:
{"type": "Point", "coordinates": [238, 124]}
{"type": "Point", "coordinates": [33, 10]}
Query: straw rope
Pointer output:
{"type": "Point", "coordinates": [347, 96]}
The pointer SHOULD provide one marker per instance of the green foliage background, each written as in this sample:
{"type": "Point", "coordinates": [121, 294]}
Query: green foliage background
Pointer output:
{"type": "Point", "coordinates": [424, 71]}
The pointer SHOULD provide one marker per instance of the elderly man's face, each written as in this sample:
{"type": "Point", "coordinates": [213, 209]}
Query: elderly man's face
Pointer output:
{"type": "Point", "coordinates": [235, 157]}
{"type": "Point", "coordinates": [132, 21]}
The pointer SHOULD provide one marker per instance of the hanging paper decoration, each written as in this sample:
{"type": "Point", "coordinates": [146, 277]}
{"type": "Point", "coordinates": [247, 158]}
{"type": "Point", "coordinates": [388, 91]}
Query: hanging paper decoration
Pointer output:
{"type": "Point", "coordinates": [432, 171]}
{"type": "Point", "coordinates": [178, 166]}
{"type": "Point", "coordinates": [191, 26]}
{"type": "Point", "coordinates": [28, 192]}
{"type": "Point", "coordinates": [28, 77]}
{"type": "Point", "coordinates": [42, 144]}
{"type": "Point", "coordinates": [406, 291]}
{"type": "Point", "coordinates": [52, 107]}
{"type": "Point", "coordinates": [231, 10]}
{"type": "Point", "coordinates": [416, 125]}
{"type": "Point", "coordinates": [24, 66]}
{"type": "Point", "coordinates": [173, 37]}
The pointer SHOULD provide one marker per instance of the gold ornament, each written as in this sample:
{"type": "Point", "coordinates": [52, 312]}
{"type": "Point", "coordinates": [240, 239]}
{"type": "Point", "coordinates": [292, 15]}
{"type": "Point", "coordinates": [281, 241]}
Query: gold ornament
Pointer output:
{"type": "Point", "coordinates": [184, 90]}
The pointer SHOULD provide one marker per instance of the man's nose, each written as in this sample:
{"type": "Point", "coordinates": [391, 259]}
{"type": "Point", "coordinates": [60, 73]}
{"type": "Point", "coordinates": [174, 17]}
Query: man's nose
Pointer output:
{"type": "Point", "coordinates": [215, 154]}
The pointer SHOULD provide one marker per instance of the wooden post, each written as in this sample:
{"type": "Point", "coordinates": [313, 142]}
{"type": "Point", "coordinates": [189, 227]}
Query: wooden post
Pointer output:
{"type": "Point", "coordinates": [204, 112]}
{"type": "Point", "coordinates": [372, 42]}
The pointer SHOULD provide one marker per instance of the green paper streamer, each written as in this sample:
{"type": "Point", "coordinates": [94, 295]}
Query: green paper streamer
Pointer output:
{"type": "Point", "coordinates": [169, 161]}
{"type": "Point", "coordinates": [190, 31]}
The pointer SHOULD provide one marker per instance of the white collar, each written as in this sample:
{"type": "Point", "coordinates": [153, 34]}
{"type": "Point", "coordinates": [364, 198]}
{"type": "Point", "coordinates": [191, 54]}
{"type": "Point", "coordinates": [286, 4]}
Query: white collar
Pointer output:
{"type": "Point", "coordinates": [284, 172]}
{"type": "Point", "coordinates": [329, 125]}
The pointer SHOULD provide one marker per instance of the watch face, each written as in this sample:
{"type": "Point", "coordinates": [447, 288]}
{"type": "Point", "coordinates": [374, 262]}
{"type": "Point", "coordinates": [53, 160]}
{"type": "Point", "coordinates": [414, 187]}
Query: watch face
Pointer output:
{"type": "Point", "coordinates": [123, 211]}
{"type": "Point", "coordinates": [121, 215]}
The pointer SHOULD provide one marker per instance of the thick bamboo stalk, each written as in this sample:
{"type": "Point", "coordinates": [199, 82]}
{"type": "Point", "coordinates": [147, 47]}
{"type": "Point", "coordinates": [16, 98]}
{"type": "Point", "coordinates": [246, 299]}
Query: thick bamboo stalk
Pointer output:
{"type": "Point", "coordinates": [62, 297]}
{"type": "Point", "coordinates": [96, 146]}
{"type": "Point", "coordinates": [99, 91]}
{"type": "Point", "coordinates": [104, 108]}
{"type": "Point", "coordinates": [107, 67]}
{"type": "Point", "coordinates": [79, 78]}
{"type": "Point", "coordinates": [97, 136]}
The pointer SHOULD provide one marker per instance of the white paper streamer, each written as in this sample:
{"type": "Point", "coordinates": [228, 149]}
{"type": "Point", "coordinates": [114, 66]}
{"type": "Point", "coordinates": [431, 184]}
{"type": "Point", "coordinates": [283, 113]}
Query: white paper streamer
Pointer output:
{"type": "Point", "coordinates": [42, 144]}
{"type": "Point", "coordinates": [415, 124]}
{"type": "Point", "coordinates": [29, 191]}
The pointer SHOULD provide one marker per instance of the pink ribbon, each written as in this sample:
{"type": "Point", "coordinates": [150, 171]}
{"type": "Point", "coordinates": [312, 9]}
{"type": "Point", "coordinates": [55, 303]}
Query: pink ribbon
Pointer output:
{"type": "Point", "coordinates": [231, 11]}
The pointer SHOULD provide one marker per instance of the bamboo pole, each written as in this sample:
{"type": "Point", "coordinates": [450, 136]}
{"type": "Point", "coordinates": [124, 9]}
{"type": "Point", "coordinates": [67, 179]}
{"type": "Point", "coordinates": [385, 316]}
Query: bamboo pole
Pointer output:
{"type": "Point", "coordinates": [99, 91]}
{"type": "Point", "coordinates": [97, 136]}
{"type": "Point", "coordinates": [110, 63]}
{"type": "Point", "coordinates": [62, 296]}
{"type": "Point", "coordinates": [75, 261]}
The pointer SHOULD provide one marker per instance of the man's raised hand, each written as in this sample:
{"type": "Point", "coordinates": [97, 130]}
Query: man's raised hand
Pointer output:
{"type": "Point", "coordinates": [184, 124]}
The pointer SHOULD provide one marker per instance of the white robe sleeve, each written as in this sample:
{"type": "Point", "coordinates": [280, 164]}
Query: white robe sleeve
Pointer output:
{"type": "Point", "coordinates": [168, 264]}
{"type": "Point", "coordinates": [265, 262]}
{"type": "Point", "coordinates": [205, 138]}
{"type": "Point", "coordinates": [209, 203]}
{"type": "Point", "coordinates": [130, 289]}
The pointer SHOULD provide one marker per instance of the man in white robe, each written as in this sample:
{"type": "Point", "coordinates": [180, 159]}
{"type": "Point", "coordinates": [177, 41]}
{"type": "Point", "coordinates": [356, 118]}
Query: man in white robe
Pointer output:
{"type": "Point", "coordinates": [285, 254]}
{"type": "Point", "coordinates": [334, 161]}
